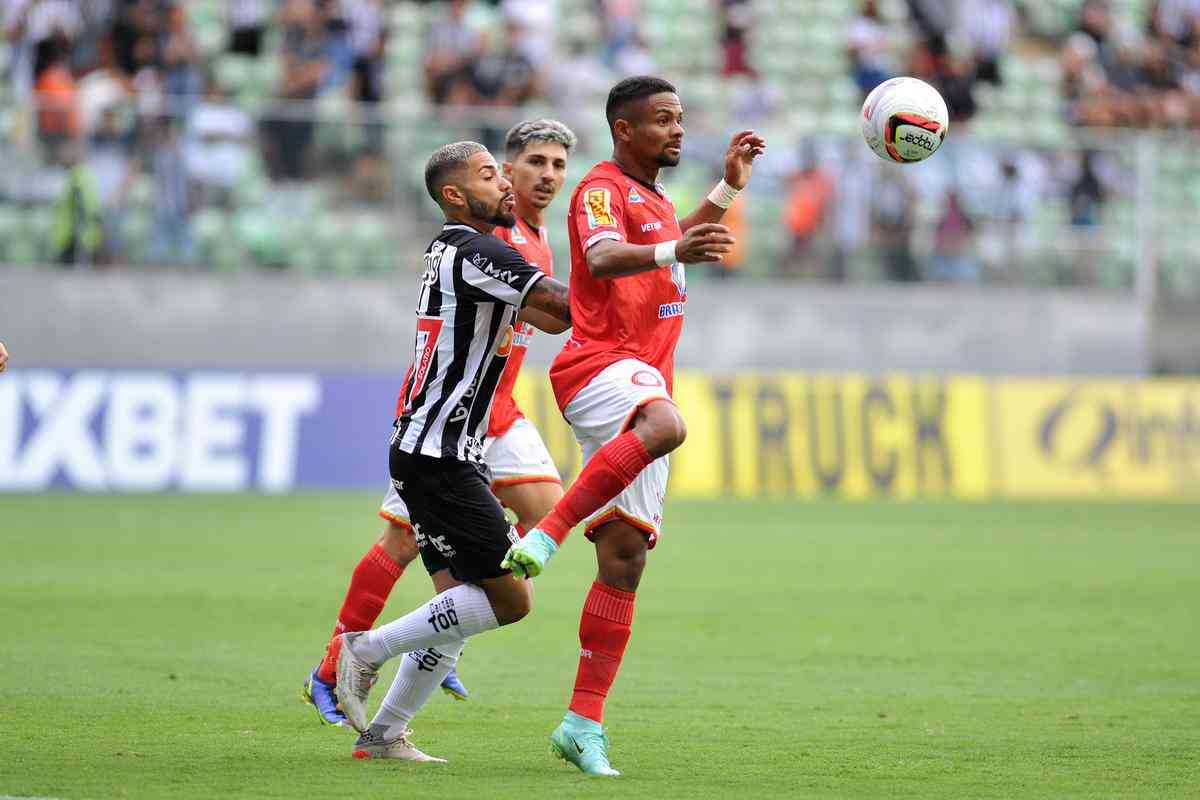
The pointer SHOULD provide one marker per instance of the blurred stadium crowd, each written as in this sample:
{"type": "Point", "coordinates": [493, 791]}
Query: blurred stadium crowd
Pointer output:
{"type": "Point", "coordinates": [291, 133]}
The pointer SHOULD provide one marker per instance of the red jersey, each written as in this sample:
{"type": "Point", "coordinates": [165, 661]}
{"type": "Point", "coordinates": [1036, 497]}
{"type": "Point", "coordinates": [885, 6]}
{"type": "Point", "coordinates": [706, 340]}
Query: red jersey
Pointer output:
{"type": "Point", "coordinates": [533, 246]}
{"type": "Point", "coordinates": [637, 316]}
{"type": "Point", "coordinates": [531, 243]}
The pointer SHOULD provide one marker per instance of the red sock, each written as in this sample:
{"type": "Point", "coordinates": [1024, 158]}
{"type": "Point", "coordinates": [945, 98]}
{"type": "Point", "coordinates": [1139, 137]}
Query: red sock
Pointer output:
{"type": "Point", "coordinates": [604, 477]}
{"type": "Point", "coordinates": [603, 633]}
{"type": "Point", "coordinates": [370, 586]}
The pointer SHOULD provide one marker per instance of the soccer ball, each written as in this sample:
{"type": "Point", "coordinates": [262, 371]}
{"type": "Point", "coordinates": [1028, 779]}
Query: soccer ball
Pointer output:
{"type": "Point", "coordinates": [905, 120]}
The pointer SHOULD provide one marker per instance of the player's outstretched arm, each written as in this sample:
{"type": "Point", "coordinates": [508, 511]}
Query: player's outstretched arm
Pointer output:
{"type": "Point", "coordinates": [3, 357]}
{"type": "Point", "coordinates": [739, 162]}
{"type": "Point", "coordinates": [543, 321]}
{"type": "Point", "coordinates": [549, 297]}
{"type": "Point", "coordinates": [611, 259]}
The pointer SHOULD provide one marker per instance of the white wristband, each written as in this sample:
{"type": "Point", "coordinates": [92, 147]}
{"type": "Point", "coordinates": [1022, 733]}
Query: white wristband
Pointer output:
{"type": "Point", "coordinates": [664, 253]}
{"type": "Point", "coordinates": [723, 195]}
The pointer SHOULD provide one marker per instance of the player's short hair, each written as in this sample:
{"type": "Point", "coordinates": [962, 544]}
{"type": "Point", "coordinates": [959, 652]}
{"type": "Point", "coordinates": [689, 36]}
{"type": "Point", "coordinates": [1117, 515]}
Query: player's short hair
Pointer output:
{"type": "Point", "coordinates": [630, 91]}
{"type": "Point", "coordinates": [445, 161]}
{"type": "Point", "coordinates": [525, 133]}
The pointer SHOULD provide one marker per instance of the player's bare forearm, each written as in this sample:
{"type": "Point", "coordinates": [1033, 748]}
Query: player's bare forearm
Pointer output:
{"type": "Point", "coordinates": [550, 297]}
{"type": "Point", "coordinates": [608, 259]}
{"type": "Point", "coordinates": [543, 321]}
{"type": "Point", "coordinates": [707, 212]}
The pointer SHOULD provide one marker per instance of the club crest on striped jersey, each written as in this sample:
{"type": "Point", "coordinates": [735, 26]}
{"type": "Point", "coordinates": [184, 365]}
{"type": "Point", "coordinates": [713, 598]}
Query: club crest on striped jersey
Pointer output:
{"type": "Point", "coordinates": [598, 203]}
{"type": "Point", "coordinates": [504, 344]}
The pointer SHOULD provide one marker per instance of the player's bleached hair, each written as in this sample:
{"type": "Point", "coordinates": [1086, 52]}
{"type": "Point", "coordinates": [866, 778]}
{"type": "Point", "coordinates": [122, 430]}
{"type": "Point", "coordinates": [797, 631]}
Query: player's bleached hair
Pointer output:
{"type": "Point", "coordinates": [525, 133]}
{"type": "Point", "coordinates": [631, 90]}
{"type": "Point", "coordinates": [445, 161]}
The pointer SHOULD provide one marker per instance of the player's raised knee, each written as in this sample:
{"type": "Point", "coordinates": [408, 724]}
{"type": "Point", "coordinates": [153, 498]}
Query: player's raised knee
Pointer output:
{"type": "Point", "coordinates": [661, 428]}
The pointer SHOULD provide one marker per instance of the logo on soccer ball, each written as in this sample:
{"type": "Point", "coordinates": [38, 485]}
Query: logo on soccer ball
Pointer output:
{"type": "Point", "coordinates": [598, 203]}
{"type": "Point", "coordinates": [906, 131]}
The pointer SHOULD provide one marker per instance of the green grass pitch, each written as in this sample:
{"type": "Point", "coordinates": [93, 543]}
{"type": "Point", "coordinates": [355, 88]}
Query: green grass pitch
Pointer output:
{"type": "Point", "coordinates": [154, 647]}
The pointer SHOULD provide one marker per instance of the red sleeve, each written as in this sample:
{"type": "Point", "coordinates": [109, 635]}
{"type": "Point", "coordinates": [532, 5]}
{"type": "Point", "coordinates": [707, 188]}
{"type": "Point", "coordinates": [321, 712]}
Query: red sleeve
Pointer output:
{"type": "Point", "coordinates": [601, 213]}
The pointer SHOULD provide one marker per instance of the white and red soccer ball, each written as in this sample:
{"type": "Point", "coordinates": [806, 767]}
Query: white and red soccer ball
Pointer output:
{"type": "Point", "coordinates": [905, 120]}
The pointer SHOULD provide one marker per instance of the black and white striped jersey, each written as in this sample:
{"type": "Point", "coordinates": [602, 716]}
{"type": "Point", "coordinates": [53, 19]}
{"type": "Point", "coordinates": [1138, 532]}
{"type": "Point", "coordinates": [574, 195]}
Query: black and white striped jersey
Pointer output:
{"type": "Point", "coordinates": [471, 291]}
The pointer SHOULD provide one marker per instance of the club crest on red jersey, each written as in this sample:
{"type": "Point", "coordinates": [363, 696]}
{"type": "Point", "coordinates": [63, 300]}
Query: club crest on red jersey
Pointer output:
{"type": "Point", "coordinates": [598, 203]}
{"type": "Point", "coordinates": [634, 197]}
{"type": "Point", "coordinates": [517, 236]}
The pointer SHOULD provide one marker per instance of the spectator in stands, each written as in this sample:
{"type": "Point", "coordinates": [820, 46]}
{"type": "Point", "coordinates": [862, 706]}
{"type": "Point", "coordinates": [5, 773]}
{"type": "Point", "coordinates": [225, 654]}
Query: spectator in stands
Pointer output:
{"type": "Point", "coordinates": [953, 241]}
{"type": "Point", "coordinates": [137, 25]}
{"type": "Point", "coordinates": [339, 57]}
{"type": "Point", "coordinates": [112, 164]}
{"type": "Point", "coordinates": [76, 235]}
{"type": "Point", "coordinates": [1013, 200]}
{"type": "Point", "coordinates": [988, 26]}
{"type": "Point", "coordinates": [867, 45]}
{"type": "Point", "coordinates": [534, 22]}
{"type": "Point", "coordinates": [173, 242]}
{"type": "Point", "coordinates": [952, 74]}
{"type": "Point", "coordinates": [148, 86]}
{"type": "Point", "coordinates": [502, 78]}
{"type": "Point", "coordinates": [734, 219]}
{"type": "Point", "coordinates": [892, 204]}
{"type": "Point", "coordinates": [933, 18]}
{"type": "Point", "coordinates": [59, 121]}
{"type": "Point", "coordinates": [619, 25]}
{"type": "Point", "coordinates": [452, 47]}
{"type": "Point", "coordinates": [367, 33]}
{"type": "Point", "coordinates": [810, 194]}
{"type": "Point", "coordinates": [737, 17]}
{"type": "Point", "coordinates": [247, 24]}
{"type": "Point", "coordinates": [290, 133]}
{"type": "Point", "coordinates": [218, 144]}
{"type": "Point", "coordinates": [29, 26]}
{"type": "Point", "coordinates": [102, 88]}
{"type": "Point", "coordinates": [182, 81]}
{"type": "Point", "coordinates": [1087, 193]}
{"type": "Point", "coordinates": [578, 78]}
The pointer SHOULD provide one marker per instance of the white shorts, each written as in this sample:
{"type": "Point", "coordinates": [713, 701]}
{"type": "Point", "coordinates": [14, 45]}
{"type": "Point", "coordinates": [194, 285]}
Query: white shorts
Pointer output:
{"type": "Point", "coordinates": [519, 456]}
{"type": "Point", "coordinates": [602, 411]}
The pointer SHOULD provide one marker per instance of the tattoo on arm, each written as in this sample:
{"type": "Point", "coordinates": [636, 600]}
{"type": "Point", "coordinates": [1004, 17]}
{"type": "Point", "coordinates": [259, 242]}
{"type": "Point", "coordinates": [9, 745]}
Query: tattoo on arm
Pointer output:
{"type": "Point", "coordinates": [550, 296]}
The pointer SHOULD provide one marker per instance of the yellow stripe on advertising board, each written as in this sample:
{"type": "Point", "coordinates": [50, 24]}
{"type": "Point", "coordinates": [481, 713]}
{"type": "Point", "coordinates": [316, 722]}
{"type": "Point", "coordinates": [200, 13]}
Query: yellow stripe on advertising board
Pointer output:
{"type": "Point", "coordinates": [1100, 438]}
{"type": "Point", "coordinates": [789, 434]}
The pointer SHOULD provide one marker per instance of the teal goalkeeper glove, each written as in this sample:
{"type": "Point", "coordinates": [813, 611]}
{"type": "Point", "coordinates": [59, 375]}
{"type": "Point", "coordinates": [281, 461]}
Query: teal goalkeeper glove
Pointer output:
{"type": "Point", "coordinates": [527, 558]}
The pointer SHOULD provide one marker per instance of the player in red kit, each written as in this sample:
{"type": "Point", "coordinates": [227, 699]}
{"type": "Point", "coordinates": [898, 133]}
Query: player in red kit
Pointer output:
{"type": "Point", "coordinates": [523, 475]}
{"type": "Point", "coordinates": [613, 378]}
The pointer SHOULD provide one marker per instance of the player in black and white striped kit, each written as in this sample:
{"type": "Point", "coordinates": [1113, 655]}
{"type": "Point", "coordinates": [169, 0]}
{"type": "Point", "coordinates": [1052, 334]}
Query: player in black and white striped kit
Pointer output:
{"type": "Point", "coordinates": [470, 292]}
{"type": "Point", "coordinates": [475, 287]}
